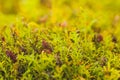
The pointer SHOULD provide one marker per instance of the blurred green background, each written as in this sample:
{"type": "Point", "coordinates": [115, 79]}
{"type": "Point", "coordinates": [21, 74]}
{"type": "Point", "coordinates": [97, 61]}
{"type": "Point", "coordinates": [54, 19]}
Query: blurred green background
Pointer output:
{"type": "Point", "coordinates": [106, 12]}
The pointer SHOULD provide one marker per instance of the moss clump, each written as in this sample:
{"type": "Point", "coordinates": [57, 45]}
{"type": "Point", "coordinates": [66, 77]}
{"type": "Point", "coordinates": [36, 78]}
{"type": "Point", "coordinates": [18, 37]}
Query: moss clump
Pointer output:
{"type": "Point", "coordinates": [60, 40]}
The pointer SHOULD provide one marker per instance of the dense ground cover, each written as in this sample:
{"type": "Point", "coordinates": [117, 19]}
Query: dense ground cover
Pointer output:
{"type": "Point", "coordinates": [59, 40]}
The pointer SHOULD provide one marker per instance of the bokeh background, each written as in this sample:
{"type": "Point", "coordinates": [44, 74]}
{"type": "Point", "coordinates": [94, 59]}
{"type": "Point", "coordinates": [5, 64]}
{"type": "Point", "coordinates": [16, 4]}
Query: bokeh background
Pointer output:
{"type": "Point", "coordinates": [101, 13]}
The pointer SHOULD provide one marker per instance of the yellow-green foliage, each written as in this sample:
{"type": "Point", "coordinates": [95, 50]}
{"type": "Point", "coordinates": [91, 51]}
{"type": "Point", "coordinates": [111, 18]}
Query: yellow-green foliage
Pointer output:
{"type": "Point", "coordinates": [59, 40]}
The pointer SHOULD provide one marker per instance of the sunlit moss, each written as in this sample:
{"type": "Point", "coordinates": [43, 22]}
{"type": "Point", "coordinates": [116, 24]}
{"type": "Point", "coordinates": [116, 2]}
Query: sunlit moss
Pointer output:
{"type": "Point", "coordinates": [59, 39]}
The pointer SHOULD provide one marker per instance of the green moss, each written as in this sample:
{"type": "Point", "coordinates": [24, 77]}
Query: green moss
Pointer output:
{"type": "Point", "coordinates": [60, 40]}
